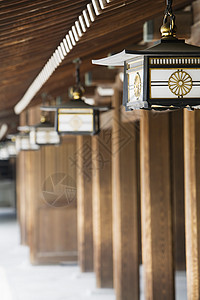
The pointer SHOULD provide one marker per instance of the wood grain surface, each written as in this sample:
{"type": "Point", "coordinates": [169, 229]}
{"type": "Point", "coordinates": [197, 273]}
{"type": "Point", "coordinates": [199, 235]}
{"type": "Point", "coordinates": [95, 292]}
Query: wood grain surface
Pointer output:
{"type": "Point", "coordinates": [84, 202]}
{"type": "Point", "coordinates": [125, 205]}
{"type": "Point", "coordinates": [156, 207]}
{"type": "Point", "coordinates": [192, 202]}
{"type": "Point", "coordinates": [102, 208]}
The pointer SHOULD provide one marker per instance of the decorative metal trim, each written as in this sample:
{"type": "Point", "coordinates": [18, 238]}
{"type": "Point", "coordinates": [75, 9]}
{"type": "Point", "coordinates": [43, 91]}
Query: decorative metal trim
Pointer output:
{"type": "Point", "coordinates": [174, 61]}
{"type": "Point", "coordinates": [137, 85]}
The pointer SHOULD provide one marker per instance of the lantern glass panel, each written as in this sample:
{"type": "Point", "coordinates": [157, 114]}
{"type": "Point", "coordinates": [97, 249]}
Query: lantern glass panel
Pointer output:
{"type": "Point", "coordinates": [75, 120]}
{"type": "Point", "coordinates": [23, 143]}
{"type": "Point", "coordinates": [135, 80]}
{"type": "Point", "coordinates": [4, 155]}
{"type": "Point", "coordinates": [174, 77]}
{"type": "Point", "coordinates": [32, 137]}
{"type": "Point", "coordinates": [11, 149]}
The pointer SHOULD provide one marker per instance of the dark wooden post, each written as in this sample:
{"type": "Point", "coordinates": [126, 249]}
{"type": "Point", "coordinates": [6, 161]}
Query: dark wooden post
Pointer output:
{"type": "Point", "coordinates": [156, 206]}
{"type": "Point", "coordinates": [192, 202]}
{"type": "Point", "coordinates": [22, 200]}
{"type": "Point", "coordinates": [102, 208]}
{"type": "Point", "coordinates": [84, 203]}
{"type": "Point", "coordinates": [177, 177]}
{"type": "Point", "coordinates": [125, 206]}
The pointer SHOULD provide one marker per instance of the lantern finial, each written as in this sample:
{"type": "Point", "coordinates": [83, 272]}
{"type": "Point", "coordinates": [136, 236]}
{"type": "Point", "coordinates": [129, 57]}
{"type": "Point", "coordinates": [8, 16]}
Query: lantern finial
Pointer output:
{"type": "Point", "coordinates": [168, 29]}
{"type": "Point", "coordinates": [42, 119]}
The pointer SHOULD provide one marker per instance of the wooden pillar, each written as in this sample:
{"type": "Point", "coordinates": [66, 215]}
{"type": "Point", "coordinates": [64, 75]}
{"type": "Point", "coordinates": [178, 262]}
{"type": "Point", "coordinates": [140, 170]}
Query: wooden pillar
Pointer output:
{"type": "Point", "coordinates": [84, 203]}
{"type": "Point", "coordinates": [21, 190]}
{"type": "Point", "coordinates": [192, 201]}
{"type": "Point", "coordinates": [22, 203]}
{"type": "Point", "coordinates": [125, 206]}
{"type": "Point", "coordinates": [177, 163]}
{"type": "Point", "coordinates": [156, 206]}
{"type": "Point", "coordinates": [102, 208]}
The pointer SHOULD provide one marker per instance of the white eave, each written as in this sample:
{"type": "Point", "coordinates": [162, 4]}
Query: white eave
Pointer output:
{"type": "Point", "coordinates": [116, 60]}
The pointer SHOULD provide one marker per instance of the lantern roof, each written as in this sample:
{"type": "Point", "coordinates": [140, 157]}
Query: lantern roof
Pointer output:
{"type": "Point", "coordinates": [24, 129]}
{"type": "Point", "coordinates": [45, 124]}
{"type": "Point", "coordinates": [165, 47]}
{"type": "Point", "coordinates": [74, 104]}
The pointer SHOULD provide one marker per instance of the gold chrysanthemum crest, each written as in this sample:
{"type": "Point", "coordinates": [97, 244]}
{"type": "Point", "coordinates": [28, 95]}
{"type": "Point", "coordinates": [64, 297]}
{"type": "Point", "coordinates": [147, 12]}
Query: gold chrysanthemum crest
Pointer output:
{"type": "Point", "coordinates": [180, 83]}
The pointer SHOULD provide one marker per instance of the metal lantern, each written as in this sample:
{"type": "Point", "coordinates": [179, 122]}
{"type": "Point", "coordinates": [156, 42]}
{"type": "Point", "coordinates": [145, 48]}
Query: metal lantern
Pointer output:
{"type": "Point", "coordinates": [22, 142]}
{"type": "Point", "coordinates": [4, 155]}
{"type": "Point", "coordinates": [11, 148]}
{"type": "Point", "coordinates": [44, 133]}
{"type": "Point", "coordinates": [76, 116]}
{"type": "Point", "coordinates": [165, 76]}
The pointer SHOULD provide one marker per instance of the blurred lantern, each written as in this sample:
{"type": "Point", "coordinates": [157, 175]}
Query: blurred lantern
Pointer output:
{"type": "Point", "coordinates": [165, 76]}
{"type": "Point", "coordinates": [22, 140]}
{"type": "Point", "coordinates": [4, 155]}
{"type": "Point", "coordinates": [44, 133]}
{"type": "Point", "coordinates": [11, 148]}
{"type": "Point", "coordinates": [75, 116]}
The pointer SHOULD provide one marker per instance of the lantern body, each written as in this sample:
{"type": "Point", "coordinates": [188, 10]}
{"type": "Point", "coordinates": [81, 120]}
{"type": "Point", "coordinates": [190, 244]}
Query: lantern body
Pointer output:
{"type": "Point", "coordinates": [4, 155]}
{"type": "Point", "coordinates": [165, 76]}
{"type": "Point", "coordinates": [76, 117]}
{"type": "Point", "coordinates": [44, 136]}
{"type": "Point", "coordinates": [11, 148]}
{"type": "Point", "coordinates": [22, 143]}
{"type": "Point", "coordinates": [84, 121]}
{"type": "Point", "coordinates": [163, 82]}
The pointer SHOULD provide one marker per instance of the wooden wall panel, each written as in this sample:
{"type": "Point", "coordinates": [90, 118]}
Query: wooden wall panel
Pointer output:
{"type": "Point", "coordinates": [125, 206]}
{"type": "Point", "coordinates": [84, 202]}
{"type": "Point", "coordinates": [192, 202]}
{"type": "Point", "coordinates": [53, 220]}
{"type": "Point", "coordinates": [156, 206]}
{"type": "Point", "coordinates": [102, 208]}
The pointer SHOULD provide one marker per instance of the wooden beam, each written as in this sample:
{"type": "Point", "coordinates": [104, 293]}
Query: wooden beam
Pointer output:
{"type": "Point", "coordinates": [156, 208]}
{"type": "Point", "coordinates": [192, 202]}
{"type": "Point", "coordinates": [84, 203]}
{"type": "Point", "coordinates": [102, 209]}
{"type": "Point", "coordinates": [125, 206]}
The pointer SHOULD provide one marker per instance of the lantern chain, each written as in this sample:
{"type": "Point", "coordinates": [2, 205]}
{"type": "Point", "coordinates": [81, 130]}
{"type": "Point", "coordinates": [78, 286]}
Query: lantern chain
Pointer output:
{"type": "Point", "coordinates": [78, 90]}
{"type": "Point", "coordinates": [169, 7]}
{"type": "Point", "coordinates": [168, 29]}
{"type": "Point", "coordinates": [77, 73]}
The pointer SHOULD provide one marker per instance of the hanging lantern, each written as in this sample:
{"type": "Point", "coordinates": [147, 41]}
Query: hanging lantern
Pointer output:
{"type": "Point", "coordinates": [4, 155]}
{"type": "Point", "coordinates": [11, 148]}
{"type": "Point", "coordinates": [165, 76]}
{"type": "Point", "coordinates": [75, 116]}
{"type": "Point", "coordinates": [22, 142]}
{"type": "Point", "coordinates": [22, 139]}
{"type": "Point", "coordinates": [44, 133]}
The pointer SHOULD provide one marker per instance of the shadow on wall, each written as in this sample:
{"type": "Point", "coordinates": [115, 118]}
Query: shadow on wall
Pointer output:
{"type": "Point", "coordinates": [7, 183]}
{"type": "Point", "coordinates": [7, 193]}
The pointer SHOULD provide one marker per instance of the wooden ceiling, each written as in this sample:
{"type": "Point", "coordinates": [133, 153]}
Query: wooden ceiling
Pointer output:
{"type": "Point", "coordinates": [30, 31]}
